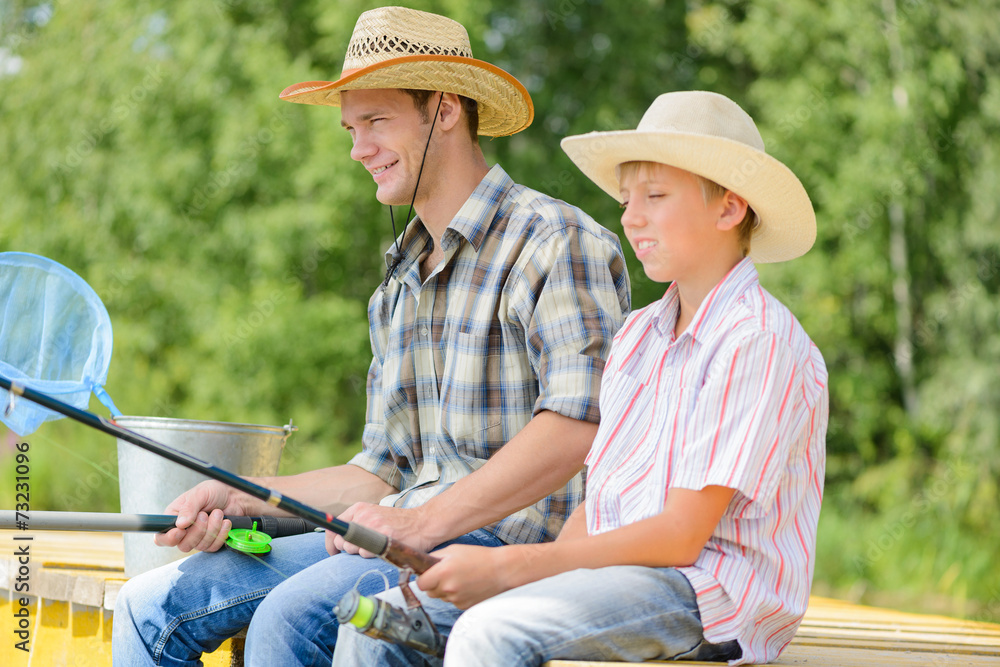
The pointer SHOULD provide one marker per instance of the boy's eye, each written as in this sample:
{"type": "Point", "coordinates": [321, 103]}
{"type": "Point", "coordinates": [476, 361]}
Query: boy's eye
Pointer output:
{"type": "Point", "coordinates": [623, 205]}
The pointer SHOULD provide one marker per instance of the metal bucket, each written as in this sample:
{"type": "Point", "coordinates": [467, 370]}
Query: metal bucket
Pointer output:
{"type": "Point", "coordinates": [147, 483]}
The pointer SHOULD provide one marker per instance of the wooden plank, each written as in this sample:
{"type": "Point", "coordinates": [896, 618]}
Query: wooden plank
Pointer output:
{"type": "Point", "coordinates": [958, 648]}
{"type": "Point", "coordinates": [875, 637]}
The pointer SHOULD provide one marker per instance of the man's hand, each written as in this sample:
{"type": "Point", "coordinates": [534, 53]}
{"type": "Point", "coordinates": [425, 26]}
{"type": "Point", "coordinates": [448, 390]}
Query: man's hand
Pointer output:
{"type": "Point", "coordinates": [401, 524]}
{"type": "Point", "coordinates": [199, 513]}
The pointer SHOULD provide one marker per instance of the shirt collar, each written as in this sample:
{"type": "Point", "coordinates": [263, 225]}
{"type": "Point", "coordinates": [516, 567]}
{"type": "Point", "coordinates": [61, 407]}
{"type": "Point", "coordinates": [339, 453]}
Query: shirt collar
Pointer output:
{"type": "Point", "coordinates": [472, 221]}
{"type": "Point", "coordinates": [713, 308]}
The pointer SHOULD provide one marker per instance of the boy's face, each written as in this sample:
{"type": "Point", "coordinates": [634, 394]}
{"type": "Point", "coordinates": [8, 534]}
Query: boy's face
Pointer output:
{"type": "Point", "coordinates": [667, 221]}
{"type": "Point", "coordinates": [389, 135]}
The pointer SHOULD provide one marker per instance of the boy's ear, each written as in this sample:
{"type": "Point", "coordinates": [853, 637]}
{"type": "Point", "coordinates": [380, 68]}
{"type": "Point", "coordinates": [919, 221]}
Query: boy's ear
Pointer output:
{"type": "Point", "coordinates": [734, 209]}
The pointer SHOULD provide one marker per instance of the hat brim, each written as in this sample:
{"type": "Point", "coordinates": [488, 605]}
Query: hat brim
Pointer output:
{"type": "Point", "coordinates": [787, 220]}
{"type": "Point", "coordinates": [505, 106]}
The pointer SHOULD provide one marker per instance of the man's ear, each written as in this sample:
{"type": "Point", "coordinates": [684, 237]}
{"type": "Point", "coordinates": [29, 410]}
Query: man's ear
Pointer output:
{"type": "Point", "coordinates": [450, 111]}
{"type": "Point", "coordinates": [734, 209]}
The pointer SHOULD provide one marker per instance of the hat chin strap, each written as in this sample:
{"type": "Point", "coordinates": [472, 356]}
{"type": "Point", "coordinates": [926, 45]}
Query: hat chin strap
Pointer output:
{"type": "Point", "coordinates": [397, 256]}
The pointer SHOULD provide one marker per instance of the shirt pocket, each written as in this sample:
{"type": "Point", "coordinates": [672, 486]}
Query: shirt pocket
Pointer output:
{"type": "Point", "coordinates": [479, 399]}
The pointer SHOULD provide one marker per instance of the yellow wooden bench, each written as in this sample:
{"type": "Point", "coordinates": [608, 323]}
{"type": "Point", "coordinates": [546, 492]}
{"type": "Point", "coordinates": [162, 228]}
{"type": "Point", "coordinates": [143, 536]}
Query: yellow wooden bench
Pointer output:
{"type": "Point", "coordinates": [75, 577]}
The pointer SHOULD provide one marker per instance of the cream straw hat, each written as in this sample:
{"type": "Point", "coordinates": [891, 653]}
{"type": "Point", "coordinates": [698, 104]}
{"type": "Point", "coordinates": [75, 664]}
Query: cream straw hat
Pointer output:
{"type": "Point", "coordinates": [395, 47]}
{"type": "Point", "coordinates": [710, 135]}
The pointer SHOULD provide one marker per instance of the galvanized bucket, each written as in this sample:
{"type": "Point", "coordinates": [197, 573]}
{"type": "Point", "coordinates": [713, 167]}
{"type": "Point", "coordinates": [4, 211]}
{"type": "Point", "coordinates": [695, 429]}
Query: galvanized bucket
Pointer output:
{"type": "Point", "coordinates": [147, 483]}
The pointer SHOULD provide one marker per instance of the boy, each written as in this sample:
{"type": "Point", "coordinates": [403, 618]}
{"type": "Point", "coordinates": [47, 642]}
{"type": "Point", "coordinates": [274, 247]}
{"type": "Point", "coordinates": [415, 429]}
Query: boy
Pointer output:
{"type": "Point", "coordinates": [697, 537]}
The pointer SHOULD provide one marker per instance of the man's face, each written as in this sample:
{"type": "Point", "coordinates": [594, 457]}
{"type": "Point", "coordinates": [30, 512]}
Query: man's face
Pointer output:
{"type": "Point", "coordinates": [389, 135]}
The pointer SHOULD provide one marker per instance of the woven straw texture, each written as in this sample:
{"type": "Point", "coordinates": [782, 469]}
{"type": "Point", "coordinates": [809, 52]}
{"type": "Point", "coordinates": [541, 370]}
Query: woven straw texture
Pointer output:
{"type": "Point", "coordinates": [709, 135]}
{"type": "Point", "coordinates": [395, 47]}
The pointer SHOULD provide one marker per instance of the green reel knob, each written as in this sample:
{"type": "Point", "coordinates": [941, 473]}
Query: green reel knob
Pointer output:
{"type": "Point", "coordinates": [249, 541]}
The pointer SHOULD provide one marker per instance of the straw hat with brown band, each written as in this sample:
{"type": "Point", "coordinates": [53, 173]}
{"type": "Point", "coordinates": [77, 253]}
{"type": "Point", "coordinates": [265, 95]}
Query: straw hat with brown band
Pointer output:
{"type": "Point", "coordinates": [710, 135]}
{"type": "Point", "coordinates": [396, 47]}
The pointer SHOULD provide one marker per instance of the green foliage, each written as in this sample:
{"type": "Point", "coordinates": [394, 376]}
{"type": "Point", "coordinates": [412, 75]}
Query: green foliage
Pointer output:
{"type": "Point", "coordinates": [235, 243]}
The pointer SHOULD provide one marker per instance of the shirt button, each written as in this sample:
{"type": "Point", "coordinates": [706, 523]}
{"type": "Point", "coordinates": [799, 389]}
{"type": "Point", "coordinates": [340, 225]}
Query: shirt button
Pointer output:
{"type": "Point", "coordinates": [432, 450]}
{"type": "Point", "coordinates": [424, 331]}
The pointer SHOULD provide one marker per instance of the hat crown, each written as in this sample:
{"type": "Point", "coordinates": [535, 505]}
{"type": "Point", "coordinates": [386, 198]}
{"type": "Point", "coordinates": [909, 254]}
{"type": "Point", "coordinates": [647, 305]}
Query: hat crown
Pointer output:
{"type": "Point", "coordinates": [704, 113]}
{"type": "Point", "coordinates": [391, 32]}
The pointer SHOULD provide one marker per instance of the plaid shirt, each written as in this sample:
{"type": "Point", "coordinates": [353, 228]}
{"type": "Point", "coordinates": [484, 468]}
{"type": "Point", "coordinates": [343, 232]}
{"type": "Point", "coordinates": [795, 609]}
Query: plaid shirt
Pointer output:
{"type": "Point", "coordinates": [517, 318]}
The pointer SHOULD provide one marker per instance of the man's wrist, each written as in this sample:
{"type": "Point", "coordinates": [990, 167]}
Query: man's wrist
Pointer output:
{"type": "Point", "coordinates": [433, 526]}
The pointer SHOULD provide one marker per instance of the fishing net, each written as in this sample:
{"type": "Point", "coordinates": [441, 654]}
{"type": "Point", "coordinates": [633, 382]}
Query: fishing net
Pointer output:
{"type": "Point", "coordinates": [55, 337]}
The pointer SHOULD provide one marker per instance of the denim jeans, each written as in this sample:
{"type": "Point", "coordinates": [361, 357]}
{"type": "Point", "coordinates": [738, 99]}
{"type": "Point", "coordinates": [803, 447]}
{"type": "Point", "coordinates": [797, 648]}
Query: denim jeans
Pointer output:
{"type": "Point", "coordinates": [625, 613]}
{"type": "Point", "coordinates": [173, 614]}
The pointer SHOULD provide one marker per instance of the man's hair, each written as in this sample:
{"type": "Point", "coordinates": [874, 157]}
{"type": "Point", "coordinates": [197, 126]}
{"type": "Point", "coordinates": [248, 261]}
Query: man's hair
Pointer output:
{"type": "Point", "coordinates": [710, 191]}
{"type": "Point", "coordinates": [470, 106]}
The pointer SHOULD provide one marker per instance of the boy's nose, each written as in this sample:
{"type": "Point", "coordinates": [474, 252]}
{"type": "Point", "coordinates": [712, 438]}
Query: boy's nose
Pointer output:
{"type": "Point", "coordinates": [631, 217]}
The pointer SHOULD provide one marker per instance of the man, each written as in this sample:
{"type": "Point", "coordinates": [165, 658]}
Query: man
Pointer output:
{"type": "Point", "coordinates": [489, 336]}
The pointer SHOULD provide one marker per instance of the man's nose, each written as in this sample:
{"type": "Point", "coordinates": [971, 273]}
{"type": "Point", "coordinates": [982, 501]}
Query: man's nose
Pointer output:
{"type": "Point", "coordinates": [363, 147]}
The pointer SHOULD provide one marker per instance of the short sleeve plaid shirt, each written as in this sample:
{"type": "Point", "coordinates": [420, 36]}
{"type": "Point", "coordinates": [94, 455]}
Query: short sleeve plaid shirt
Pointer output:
{"type": "Point", "coordinates": [517, 318]}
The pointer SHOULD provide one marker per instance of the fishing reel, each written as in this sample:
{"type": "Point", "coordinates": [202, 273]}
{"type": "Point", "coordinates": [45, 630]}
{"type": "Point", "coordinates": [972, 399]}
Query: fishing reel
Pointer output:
{"type": "Point", "coordinates": [377, 618]}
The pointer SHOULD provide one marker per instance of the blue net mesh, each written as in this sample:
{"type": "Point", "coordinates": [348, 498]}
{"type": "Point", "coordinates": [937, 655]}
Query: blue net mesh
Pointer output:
{"type": "Point", "coordinates": [55, 337]}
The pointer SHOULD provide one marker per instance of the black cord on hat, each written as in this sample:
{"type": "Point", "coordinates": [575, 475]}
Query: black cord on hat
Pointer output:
{"type": "Point", "coordinates": [397, 255]}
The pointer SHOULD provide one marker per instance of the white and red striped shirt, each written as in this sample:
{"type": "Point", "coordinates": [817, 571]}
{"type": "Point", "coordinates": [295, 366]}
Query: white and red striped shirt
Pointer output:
{"type": "Point", "coordinates": [738, 400]}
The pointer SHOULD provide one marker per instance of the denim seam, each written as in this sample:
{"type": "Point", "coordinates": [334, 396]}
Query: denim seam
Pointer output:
{"type": "Point", "coordinates": [225, 604]}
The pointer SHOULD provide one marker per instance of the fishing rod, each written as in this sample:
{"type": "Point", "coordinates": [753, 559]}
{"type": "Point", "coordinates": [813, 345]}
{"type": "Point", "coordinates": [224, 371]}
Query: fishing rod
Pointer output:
{"type": "Point", "coordinates": [274, 526]}
{"type": "Point", "coordinates": [383, 546]}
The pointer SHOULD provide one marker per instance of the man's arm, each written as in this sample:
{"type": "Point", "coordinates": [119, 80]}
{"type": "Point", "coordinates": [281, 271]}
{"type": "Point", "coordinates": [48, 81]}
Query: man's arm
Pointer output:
{"type": "Point", "coordinates": [674, 538]}
{"type": "Point", "coordinates": [542, 457]}
{"type": "Point", "coordinates": [199, 511]}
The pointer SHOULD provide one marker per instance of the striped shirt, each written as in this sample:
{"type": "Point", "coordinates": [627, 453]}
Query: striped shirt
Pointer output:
{"type": "Point", "coordinates": [738, 400]}
{"type": "Point", "coordinates": [517, 318]}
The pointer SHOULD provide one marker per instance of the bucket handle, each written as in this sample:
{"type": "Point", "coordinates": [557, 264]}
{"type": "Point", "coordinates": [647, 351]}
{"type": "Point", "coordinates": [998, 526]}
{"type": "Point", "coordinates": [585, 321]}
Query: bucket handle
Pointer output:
{"type": "Point", "coordinates": [289, 428]}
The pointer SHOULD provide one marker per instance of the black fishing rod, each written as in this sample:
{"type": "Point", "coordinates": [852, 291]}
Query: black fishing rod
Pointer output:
{"type": "Point", "coordinates": [396, 553]}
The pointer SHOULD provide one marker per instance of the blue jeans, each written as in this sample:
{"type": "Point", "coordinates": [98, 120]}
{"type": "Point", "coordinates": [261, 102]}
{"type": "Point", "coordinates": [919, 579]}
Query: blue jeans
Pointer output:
{"type": "Point", "coordinates": [173, 614]}
{"type": "Point", "coordinates": [626, 613]}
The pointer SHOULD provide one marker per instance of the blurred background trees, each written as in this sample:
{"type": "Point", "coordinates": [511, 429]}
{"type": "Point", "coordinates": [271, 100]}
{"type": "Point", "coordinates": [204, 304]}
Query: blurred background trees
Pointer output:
{"type": "Point", "coordinates": [235, 243]}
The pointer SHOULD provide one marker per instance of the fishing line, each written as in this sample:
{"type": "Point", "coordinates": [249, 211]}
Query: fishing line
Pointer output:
{"type": "Point", "coordinates": [93, 464]}
{"type": "Point", "coordinates": [385, 579]}
{"type": "Point", "coordinates": [266, 564]}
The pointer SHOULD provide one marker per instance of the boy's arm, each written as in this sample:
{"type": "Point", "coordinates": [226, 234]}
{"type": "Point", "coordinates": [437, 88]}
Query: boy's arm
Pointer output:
{"type": "Point", "coordinates": [674, 538]}
{"type": "Point", "coordinates": [575, 526]}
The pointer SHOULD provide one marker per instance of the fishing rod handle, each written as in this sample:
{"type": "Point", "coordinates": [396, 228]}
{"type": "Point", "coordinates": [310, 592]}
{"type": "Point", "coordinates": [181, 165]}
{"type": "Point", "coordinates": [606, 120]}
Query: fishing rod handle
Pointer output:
{"type": "Point", "coordinates": [397, 553]}
{"type": "Point", "coordinates": [275, 526]}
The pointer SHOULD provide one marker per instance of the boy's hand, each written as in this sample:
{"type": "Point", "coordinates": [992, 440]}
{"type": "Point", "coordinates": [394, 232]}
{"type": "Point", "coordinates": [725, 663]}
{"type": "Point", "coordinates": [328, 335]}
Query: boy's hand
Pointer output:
{"type": "Point", "coordinates": [468, 574]}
